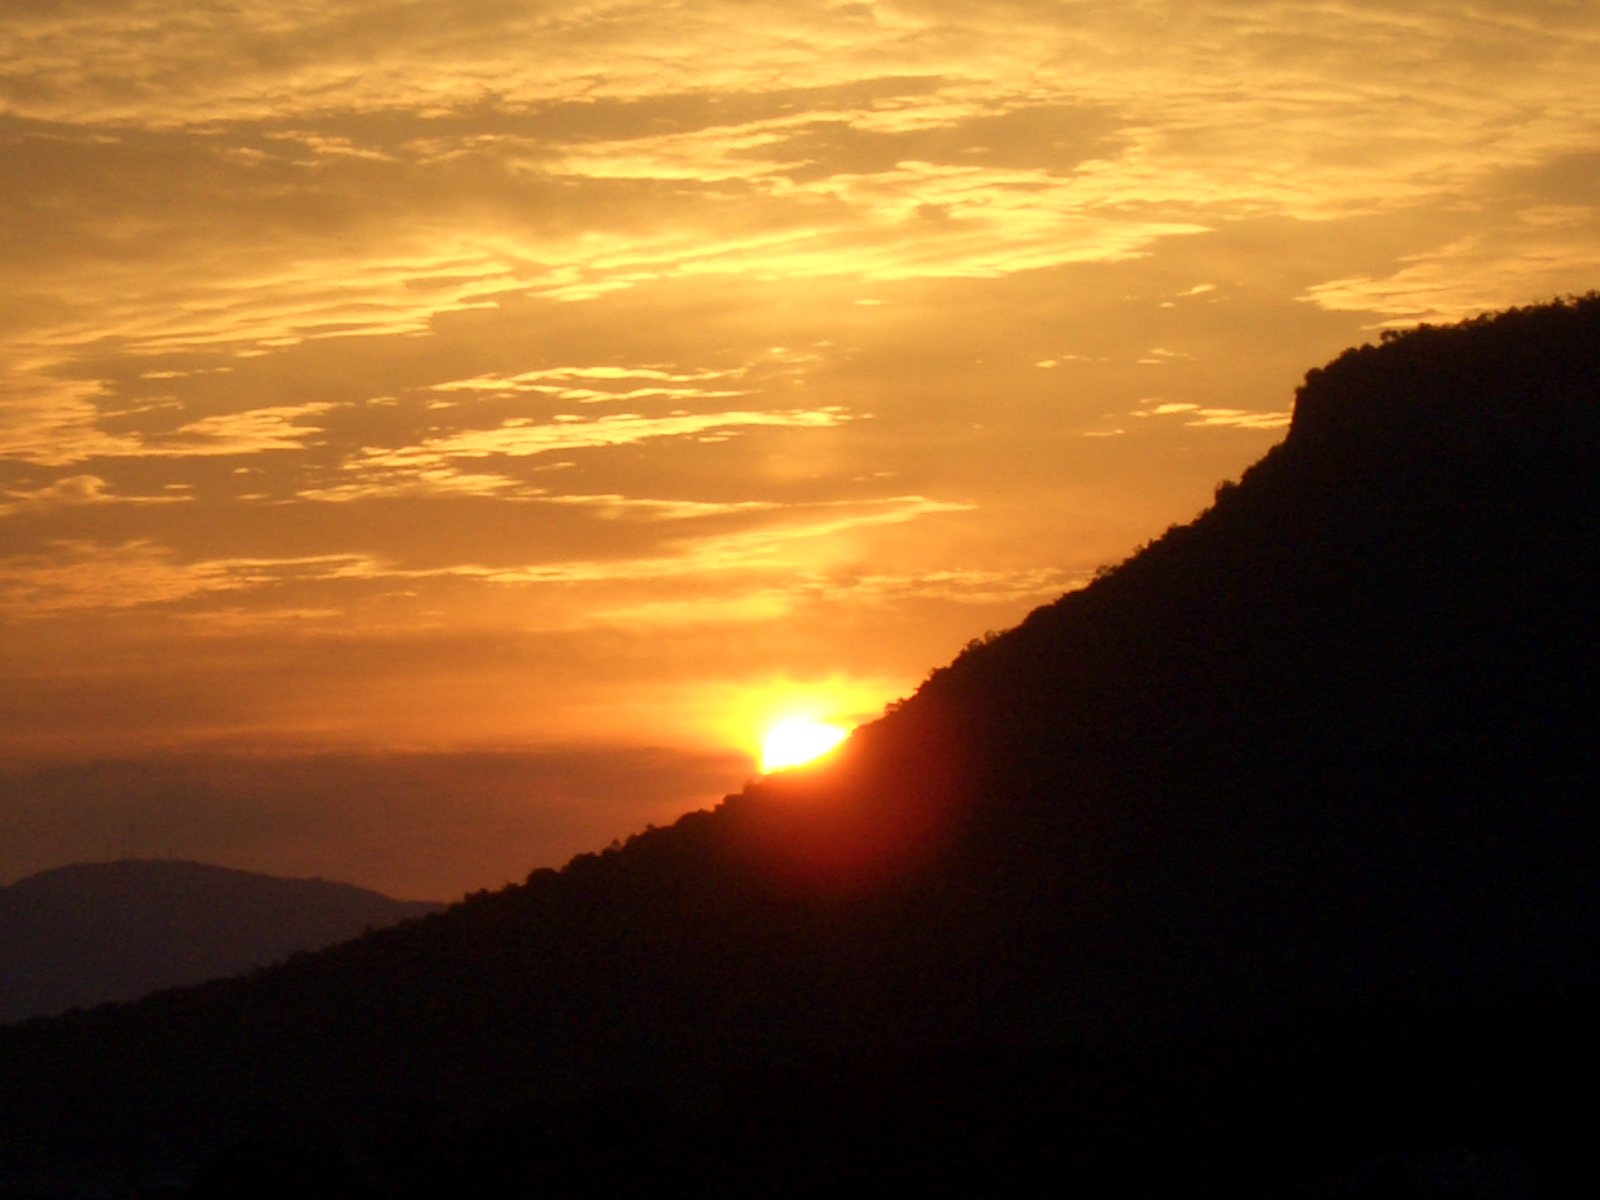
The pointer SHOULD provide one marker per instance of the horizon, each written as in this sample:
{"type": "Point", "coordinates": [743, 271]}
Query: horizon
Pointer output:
{"type": "Point", "coordinates": [431, 448]}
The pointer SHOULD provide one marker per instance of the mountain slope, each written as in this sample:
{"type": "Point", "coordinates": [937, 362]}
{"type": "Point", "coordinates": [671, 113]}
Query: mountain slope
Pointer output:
{"type": "Point", "coordinates": [1337, 734]}
{"type": "Point", "coordinates": [87, 934]}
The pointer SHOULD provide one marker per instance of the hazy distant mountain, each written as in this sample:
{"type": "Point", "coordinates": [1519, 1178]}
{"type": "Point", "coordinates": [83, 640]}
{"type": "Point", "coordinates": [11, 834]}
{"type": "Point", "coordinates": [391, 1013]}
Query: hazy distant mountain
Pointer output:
{"type": "Point", "coordinates": [83, 935]}
{"type": "Point", "coordinates": [1336, 738]}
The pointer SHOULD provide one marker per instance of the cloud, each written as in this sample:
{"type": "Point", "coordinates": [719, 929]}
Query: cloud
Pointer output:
{"type": "Point", "coordinates": [844, 589]}
{"type": "Point", "coordinates": [436, 480]}
{"type": "Point", "coordinates": [1055, 139]}
{"type": "Point", "coordinates": [560, 382]}
{"type": "Point", "coordinates": [243, 433]}
{"type": "Point", "coordinates": [1541, 251]}
{"type": "Point", "coordinates": [662, 510]}
{"type": "Point", "coordinates": [780, 546]}
{"type": "Point", "coordinates": [252, 432]}
{"type": "Point", "coordinates": [1033, 125]}
{"type": "Point", "coordinates": [52, 423]}
{"type": "Point", "coordinates": [243, 178]}
{"type": "Point", "coordinates": [78, 575]}
{"type": "Point", "coordinates": [74, 490]}
{"type": "Point", "coordinates": [1196, 416]}
{"type": "Point", "coordinates": [449, 317]}
{"type": "Point", "coordinates": [523, 437]}
{"type": "Point", "coordinates": [977, 588]}
{"type": "Point", "coordinates": [1239, 419]}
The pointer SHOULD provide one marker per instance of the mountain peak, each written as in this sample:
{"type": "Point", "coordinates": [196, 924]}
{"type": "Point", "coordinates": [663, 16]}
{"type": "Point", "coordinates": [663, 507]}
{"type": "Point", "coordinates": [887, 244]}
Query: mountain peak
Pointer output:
{"type": "Point", "coordinates": [91, 933]}
{"type": "Point", "coordinates": [1505, 371]}
{"type": "Point", "coordinates": [1336, 737]}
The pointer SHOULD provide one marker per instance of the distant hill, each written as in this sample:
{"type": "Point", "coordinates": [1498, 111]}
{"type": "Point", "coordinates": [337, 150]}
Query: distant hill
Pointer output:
{"type": "Point", "coordinates": [1332, 743]}
{"type": "Point", "coordinates": [83, 935]}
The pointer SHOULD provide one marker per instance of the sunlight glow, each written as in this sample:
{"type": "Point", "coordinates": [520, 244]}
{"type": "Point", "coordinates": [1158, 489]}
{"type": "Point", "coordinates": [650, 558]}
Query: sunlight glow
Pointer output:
{"type": "Point", "coordinates": [798, 740]}
{"type": "Point", "coordinates": [742, 714]}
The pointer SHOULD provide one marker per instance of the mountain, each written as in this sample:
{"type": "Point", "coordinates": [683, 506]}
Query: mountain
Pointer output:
{"type": "Point", "coordinates": [1279, 841]}
{"type": "Point", "coordinates": [83, 935]}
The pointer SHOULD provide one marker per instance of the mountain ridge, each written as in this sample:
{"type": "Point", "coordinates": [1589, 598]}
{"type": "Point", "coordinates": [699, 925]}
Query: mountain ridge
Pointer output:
{"type": "Point", "coordinates": [93, 933]}
{"type": "Point", "coordinates": [1333, 738]}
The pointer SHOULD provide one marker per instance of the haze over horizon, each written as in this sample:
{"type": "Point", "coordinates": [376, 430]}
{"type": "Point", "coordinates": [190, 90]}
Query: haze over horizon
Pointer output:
{"type": "Point", "coordinates": [438, 438]}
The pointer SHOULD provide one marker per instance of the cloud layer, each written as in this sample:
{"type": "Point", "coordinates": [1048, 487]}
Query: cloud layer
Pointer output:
{"type": "Point", "coordinates": [487, 375]}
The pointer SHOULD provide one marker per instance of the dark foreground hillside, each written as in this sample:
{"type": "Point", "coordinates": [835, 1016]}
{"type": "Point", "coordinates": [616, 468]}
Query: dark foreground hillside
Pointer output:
{"type": "Point", "coordinates": [78, 936]}
{"type": "Point", "coordinates": [1267, 864]}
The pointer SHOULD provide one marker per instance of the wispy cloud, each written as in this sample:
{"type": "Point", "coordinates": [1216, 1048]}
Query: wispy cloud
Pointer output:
{"type": "Point", "coordinates": [1198, 416]}
{"type": "Point", "coordinates": [843, 590]}
{"type": "Point", "coordinates": [648, 383]}
{"type": "Point", "coordinates": [605, 319]}
{"type": "Point", "coordinates": [522, 437]}
{"type": "Point", "coordinates": [74, 490]}
{"type": "Point", "coordinates": [244, 433]}
{"type": "Point", "coordinates": [778, 546]}
{"type": "Point", "coordinates": [1539, 251]}
{"type": "Point", "coordinates": [79, 575]}
{"type": "Point", "coordinates": [85, 575]}
{"type": "Point", "coordinates": [613, 505]}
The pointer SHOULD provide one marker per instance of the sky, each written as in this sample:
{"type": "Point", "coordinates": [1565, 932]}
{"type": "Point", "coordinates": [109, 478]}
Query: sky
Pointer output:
{"type": "Point", "coordinates": [438, 437]}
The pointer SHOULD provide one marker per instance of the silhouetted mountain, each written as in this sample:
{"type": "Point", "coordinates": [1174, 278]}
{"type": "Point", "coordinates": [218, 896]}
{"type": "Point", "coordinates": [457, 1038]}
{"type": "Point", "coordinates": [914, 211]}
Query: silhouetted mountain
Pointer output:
{"type": "Point", "coordinates": [87, 934]}
{"type": "Point", "coordinates": [1330, 749]}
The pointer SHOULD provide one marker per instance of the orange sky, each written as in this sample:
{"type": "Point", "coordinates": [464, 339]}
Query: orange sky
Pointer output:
{"type": "Point", "coordinates": [547, 379]}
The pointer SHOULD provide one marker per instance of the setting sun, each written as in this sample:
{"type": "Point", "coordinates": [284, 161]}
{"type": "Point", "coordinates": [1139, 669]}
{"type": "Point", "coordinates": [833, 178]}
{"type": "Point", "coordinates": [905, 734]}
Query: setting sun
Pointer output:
{"type": "Point", "coordinates": [768, 371]}
{"type": "Point", "coordinates": [790, 743]}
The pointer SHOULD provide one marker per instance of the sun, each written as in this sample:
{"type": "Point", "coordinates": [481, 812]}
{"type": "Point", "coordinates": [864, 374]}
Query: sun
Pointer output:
{"type": "Point", "coordinates": [798, 740]}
